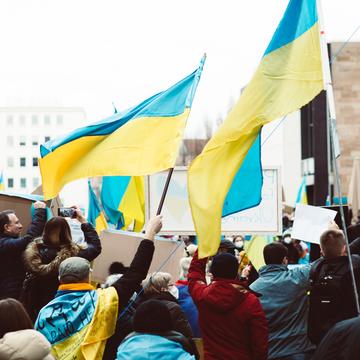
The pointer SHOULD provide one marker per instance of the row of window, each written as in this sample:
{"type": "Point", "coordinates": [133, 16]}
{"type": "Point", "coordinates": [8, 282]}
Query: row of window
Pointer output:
{"type": "Point", "coordinates": [35, 120]}
{"type": "Point", "coordinates": [23, 140]}
{"type": "Point", "coordinates": [22, 162]}
{"type": "Point", "coordinates": [23, 182]}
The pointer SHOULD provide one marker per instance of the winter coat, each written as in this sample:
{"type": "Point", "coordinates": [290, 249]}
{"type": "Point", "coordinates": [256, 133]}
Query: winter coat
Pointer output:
{"type": "Point", "coordinates": [341, 342]}
{"type": "Point", "coordinates": [24, 345]}
{"type": "Point", "coordinates": [42, 263]}
{"type": "Point", "coordinates": [232, 322]}
{"type": "Point", "coordinates": [12, 271]}
{"type": "Point", "coordinates": [187, 304]}
{"type": "Point", "coordinates": [140, 346]}
{"type": "Point", "coordinates": [178, 317]}
{"type": "Point", "coordinates": [284, 300]}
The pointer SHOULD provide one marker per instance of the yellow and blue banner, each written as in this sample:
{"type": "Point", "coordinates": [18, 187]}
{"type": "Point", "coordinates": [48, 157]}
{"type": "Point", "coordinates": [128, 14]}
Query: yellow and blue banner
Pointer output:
{"type": "Point", "coordinates": [123, 200]}
{"type": "Point", "coordinates": [301, 197]}
{"type": "Point", "coordinates": [95, 216]}
{"type": "Point", "coordinates": [2, 184]}
{"type": "Point", "coordinates": [139, 141]}
{"type": "Point", "coordinates": [78, 322]}
{"type": "Point", "coordinates": [288, 77]}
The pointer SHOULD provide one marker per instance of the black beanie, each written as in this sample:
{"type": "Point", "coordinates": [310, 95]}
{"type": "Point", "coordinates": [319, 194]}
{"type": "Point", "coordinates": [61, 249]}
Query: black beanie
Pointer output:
{"type": "Point", "coordinates": [152, 316]}
{"type": "Point", "coordinates": [225, 266]}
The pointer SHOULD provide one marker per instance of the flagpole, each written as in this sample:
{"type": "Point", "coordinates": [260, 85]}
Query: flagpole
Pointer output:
{"type": "Point", "coordinates": [171, 170]}
{"type": "Point", "coordinates": [334, 140]}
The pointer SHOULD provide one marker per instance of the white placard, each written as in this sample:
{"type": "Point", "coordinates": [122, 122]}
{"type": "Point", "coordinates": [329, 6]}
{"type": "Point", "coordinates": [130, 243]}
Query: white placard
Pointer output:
{"type": "Point", "coordinates": [310, 222]}
{"type": "Point", "coordinates": [263, 219]}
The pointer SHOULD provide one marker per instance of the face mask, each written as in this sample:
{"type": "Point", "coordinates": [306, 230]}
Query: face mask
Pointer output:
{"type": "Point", "coordinates": [174, 291]}
{"type": "Point", "coordinates": [239, 244]}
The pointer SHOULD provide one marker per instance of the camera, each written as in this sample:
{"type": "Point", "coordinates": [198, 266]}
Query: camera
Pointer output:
{"type": "Point", "coordinates": [66, 212]}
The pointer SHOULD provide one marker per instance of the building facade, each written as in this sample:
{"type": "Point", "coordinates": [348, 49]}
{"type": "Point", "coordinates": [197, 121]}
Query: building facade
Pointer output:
{"type": "Point", "coordinates": [23, 130]}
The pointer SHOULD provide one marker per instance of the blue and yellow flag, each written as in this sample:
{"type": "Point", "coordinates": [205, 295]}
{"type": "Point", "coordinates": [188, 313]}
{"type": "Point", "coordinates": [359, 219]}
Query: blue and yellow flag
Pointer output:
{"type": "Point", "coordinates": [2, 185]}
{"type": "Point", "coordinates": [288, 77]}
{"type": "Point", "coordinates": [139, 141]}
{"type": "Point", "coordinates": [78, 322]}
{"type": "Point", "coordinates": [123, 200]}
{"type": "Point", "coordinates": [302, 194]}
{"type": "Point", "coordinates": [95, 215]}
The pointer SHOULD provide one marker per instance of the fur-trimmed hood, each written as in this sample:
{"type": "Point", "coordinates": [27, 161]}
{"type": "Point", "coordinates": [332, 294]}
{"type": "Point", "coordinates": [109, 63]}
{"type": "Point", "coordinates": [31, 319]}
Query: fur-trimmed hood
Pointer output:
{"type": "Point", "coordinates": [44, 260]}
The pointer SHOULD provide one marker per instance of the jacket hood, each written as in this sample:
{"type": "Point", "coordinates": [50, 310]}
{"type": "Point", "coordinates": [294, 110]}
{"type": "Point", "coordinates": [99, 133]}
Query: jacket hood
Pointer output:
{"type": "Point", "coordinates": [272, 268]}
{"type": "Point", "coordinates": [224, 295]}
{"type": "Point", "coordinates": [44, 260]}
{"type": "Point", "coordinates": [25, 344]}
{"type": "Point", "coordinates": [163, 295]}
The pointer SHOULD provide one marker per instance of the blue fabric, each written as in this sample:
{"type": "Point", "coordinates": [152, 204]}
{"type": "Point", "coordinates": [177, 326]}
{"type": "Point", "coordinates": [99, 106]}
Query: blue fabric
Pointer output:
{"type": "Point", "coordinates": [112, 191]}
{"type": "Point", "coordinates": [284, 300]}
{"type": "Point", "coordinates": [151, 347]}
{"type": "Point", "coordinates": [94, 207]}
{"type": "Point", "coordinates": [187, 304]}
{"type": "Point", "coordinates": [245, 190]}
{"type": "Point", "coordinates": [66, 315]}
{"type": "Point", "coordinates": [299, 17]}
{"type": "Point", "coordinates": [168, 103]}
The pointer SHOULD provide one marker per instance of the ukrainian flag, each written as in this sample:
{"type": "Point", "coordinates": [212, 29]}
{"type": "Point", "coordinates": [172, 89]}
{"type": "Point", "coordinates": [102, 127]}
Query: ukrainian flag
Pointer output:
{"type": "Point", "coordinates": [123, 200]}
{"type": "Point", "coordinates": [2, 185]}
{"type": "Point", "coordinates": [78, 322]}
{"type": "Point", "coordinates": [302, 194]}
{"type": "Point", "coordinates": [288, 77]}
{"type": "Point", "coordinates": [139, 141]}
{"type": "Point", "coordinates": [95, 215]}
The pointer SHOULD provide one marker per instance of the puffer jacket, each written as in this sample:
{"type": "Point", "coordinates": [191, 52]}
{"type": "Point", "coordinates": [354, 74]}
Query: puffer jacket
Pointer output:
{"type": "Point", "coordinates": [12, 271]}
{"type": "Point", "coordinates": [232, 321]}
{"type": "Point", "coordinates": [25, 345]}
{"type": "Point", "coordinates": [42, 263]}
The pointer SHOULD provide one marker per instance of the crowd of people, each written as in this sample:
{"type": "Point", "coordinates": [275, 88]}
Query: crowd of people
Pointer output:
{"type": "Point", "coordinates": [218, 308]}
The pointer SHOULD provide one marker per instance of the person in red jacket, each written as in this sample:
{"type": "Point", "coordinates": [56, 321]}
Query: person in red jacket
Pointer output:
{"type": "Point", "coordinates": [232, 321]}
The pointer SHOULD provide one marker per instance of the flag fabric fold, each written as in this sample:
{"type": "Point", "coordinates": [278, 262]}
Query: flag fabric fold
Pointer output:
{"type": "Point", "coordinates": [288, 77]}
{"type": "Point", "coordinates": [2, 185]}
{"type": "Point", "coordinates": [95, 216]}
{"type": "Point", "coordinates": [139, 141]}
{"type": "Point", "coordinates": [123, 200]}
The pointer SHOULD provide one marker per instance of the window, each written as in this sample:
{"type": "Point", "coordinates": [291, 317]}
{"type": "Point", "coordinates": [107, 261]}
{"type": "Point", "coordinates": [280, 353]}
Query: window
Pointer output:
{"type": "Point", "coordinates": [47, 119]}
{"type": "Point", "coordinates": [34, 120]}
{"type": "Point", "coordinates": [23, 183]}
{"type": "Point", "coordinates": [35, 182]}
{"type": "Point", "coordinates": [22, 162]}
{"type": "Point", "coordinates": [10, 162]}
{"type": "Point", "coordinates": [47, 138]}
{"type": "Point", "coordinates": [22, 120]}
{"type": "Point", "coordinates": [22, 141]}
{"type": "Point", "coordinates": [35, 161]}
{"type": "Point", "coordinates": [9, 120]}
{"type": "Point", "coordinates": [10, 183]}
{"type": "Point", "coordinates": [35, 141]}
{"type": "Point", "coordinates": [9, 141]}
{"type": "Point", "coordinates": [59, 120]}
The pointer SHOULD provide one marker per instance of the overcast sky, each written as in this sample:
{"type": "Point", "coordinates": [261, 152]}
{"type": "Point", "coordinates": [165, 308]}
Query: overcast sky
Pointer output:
{"type": "Point", "coordinates": [89, 53]}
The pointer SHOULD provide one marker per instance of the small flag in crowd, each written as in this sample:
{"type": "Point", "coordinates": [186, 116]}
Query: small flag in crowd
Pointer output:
{"type": "Point", "coordinates": [123, 200]}
{"type": "Point", "coordinates": [95, 215]}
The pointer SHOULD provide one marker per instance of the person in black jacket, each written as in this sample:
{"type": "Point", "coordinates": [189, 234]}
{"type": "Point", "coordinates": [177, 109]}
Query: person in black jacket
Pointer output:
{"type": "Point", "coordinates": [72, 300]}
{"type": "Point", "coordinates": [12, 245]}
{"type": "Point", "coordinates": [43, 257]}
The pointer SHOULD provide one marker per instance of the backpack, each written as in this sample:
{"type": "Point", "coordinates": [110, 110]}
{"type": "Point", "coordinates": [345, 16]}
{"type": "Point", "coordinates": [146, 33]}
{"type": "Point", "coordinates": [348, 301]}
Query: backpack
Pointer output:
{"type": "Point", "coordinates": [327, 300]}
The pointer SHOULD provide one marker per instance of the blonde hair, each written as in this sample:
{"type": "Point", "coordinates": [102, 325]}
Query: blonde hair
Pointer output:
{"type": "Point", "coordinates": [156, 282]}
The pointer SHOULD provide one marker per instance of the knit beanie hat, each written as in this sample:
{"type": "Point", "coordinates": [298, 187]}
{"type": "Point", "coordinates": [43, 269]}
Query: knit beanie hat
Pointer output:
{"type": "Point", "coordinates": [152, 316]}
{"type": "Point", "coordinates": [225, 266]}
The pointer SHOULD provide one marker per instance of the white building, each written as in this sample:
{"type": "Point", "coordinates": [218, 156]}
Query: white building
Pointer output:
{"type": "Point", "coordinates": [23, 130]}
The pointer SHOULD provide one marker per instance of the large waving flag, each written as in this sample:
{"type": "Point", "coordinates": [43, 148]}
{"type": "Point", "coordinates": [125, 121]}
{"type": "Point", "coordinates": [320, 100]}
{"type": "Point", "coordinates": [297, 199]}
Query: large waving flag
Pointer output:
{"type": "Point", "coordinates": [95, 215]}
{"type": "Point", "coordinates": [288, 77]}
{"type": "Point", "coordinates": [123, 200]}
{"type": "Point", "coordinates": [139, 141]}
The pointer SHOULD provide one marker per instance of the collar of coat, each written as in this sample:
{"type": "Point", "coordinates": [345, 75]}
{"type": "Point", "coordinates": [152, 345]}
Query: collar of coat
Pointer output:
{"type": "Point", "coordinates": [34, 262]}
